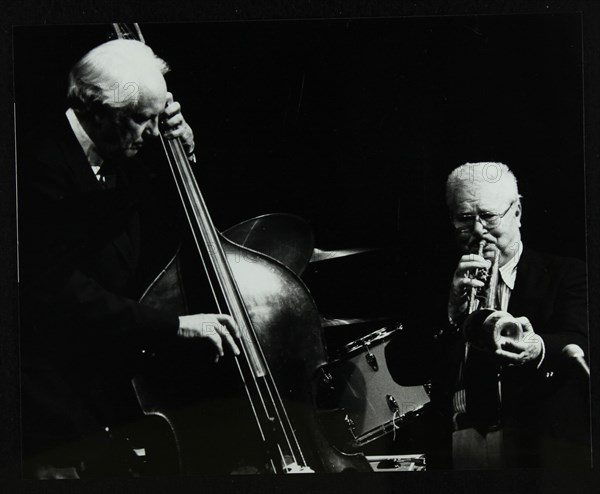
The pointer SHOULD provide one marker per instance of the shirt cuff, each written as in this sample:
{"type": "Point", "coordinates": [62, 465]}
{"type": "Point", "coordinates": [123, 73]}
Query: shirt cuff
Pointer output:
{"type": "Point", "coordinates": [543, 354]}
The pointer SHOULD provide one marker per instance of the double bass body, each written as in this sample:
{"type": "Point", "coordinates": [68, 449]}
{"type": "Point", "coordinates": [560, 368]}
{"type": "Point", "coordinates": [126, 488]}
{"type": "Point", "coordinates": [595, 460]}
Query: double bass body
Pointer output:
{"type": "Point", "coordinates": [256, 414]}
{"type": "Point", "coordinates": [215, 427]}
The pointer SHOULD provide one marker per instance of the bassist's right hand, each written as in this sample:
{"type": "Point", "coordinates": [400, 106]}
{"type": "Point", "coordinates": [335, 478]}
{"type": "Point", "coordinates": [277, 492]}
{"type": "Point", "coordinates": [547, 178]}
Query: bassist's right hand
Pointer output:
{"type": "Point", "coordinates": [219, 328]}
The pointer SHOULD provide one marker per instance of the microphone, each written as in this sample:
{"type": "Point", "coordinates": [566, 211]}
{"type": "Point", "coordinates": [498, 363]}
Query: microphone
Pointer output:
{"type": "Point", "coordinates": [572, 351]}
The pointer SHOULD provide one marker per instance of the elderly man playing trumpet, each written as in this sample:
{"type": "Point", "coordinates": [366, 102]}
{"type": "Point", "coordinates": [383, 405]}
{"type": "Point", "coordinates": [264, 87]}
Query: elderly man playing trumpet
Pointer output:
{"type": "Point", "coordinates": [511, 379]}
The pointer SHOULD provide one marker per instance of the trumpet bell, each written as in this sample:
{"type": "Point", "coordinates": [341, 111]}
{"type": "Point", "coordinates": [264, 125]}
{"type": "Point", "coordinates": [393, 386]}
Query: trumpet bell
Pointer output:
{"type": "Point", "coordinates": [488, 329]}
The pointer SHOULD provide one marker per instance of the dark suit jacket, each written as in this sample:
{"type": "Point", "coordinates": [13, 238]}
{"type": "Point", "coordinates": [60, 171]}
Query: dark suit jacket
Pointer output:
{"type": "Point", "coordinates": [541, 407]}
{"type": "Point", "coordinates": [548, 408]}
{"type": "Point", "coordinates": [79, 253]}
{"type": "Point", "coordinates": [552, 292]}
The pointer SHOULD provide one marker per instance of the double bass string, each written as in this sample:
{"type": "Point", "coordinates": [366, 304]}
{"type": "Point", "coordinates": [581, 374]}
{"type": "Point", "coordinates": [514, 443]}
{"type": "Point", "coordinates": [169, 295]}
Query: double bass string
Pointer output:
{"type": "Point", "coordinates": [238, 309]}
{"type": "Point", "coordinates": [229, 289]}
{"type": "Point", "coordinates": [123, 32]}
{"type": "Point", "coordinates": [181, 182]}
{"type": "Point", "coordinates": [231, 299]}
{"type": "Point", "coordinates": [227, 284]}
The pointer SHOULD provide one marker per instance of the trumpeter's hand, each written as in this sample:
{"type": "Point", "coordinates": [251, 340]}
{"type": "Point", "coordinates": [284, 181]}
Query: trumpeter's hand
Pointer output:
{"type": "Point", "coordinates": [461, 282]}
{"type": "Point", "coordinates": [525, 350]}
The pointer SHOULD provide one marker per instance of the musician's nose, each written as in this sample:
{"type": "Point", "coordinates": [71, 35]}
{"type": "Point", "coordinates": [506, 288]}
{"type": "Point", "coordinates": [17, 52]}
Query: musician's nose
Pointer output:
{"type": "Point", "coordinates": [478, 229]}
{"type": "Point", "coordinates": [152, 127]}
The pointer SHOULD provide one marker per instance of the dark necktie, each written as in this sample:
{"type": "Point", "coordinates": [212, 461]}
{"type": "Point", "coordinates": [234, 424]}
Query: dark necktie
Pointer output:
{"type": "Point", "coordinates": [107, 175]}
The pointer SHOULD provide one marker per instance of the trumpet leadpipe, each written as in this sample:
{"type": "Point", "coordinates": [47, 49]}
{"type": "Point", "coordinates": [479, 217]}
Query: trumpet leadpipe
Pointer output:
{"type": "Point", "coordinates": [473, 290]}
{"type": "Point", "coordinates": [485, 327]}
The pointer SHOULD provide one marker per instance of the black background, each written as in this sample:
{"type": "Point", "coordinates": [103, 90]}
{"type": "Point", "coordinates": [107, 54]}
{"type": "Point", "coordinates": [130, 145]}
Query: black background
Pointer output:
{"type": "Point", "coordinates": [354, 124]}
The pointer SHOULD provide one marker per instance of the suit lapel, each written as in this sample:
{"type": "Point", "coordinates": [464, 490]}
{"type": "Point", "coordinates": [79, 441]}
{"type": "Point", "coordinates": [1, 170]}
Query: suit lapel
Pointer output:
{"type": "Point", "coordinates": [87, 181]}
{"type": "Point", "coordinates": [531, 283]}
{"type": "Point", "coordinates": [123, 242]}
{"type": "Point", "coordinates": [76, 159]}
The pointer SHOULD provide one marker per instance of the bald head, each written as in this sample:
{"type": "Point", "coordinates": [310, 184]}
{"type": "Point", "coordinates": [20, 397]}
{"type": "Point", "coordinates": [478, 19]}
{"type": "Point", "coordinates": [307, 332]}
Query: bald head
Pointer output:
{"type": "Point", "coordinates": [482, 178]}
{"type": "Point", "coordinates": [115, 75]}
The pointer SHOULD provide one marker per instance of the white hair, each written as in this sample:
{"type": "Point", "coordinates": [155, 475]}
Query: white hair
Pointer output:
{"type": "Point", "coordinates": [477, 174]}
{"type": "Point", "coordinates": [111, 75]}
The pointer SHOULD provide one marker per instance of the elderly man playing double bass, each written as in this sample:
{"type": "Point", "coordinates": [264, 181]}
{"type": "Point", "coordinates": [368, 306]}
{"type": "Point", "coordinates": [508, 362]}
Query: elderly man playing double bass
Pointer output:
{"type": "Point", "coordinates": [83, 186]}
{"type": "Point", "coordinates": [517, 399]}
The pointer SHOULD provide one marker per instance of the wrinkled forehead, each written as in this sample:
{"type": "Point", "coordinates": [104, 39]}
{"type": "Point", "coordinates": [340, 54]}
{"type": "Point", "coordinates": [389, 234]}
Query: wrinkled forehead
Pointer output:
{"type": "Point", "coordinates": [482, 196]}
{"type": "Point", "coordinates": [152, 94]}
{"type": "Point", "coordinates": [138, 87]}
{"type": "Point", "coordinates": [153, 82]}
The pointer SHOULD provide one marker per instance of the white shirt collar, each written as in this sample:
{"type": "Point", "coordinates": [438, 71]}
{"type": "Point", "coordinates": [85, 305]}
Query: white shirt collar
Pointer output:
{"type": "Point", "coordinates": [508, 272]}
{"type": "Point", "coordinates": [88, 146]}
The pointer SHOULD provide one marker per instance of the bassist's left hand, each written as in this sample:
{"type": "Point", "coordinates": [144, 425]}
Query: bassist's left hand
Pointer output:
{"type": "Point", "coordinates": [176, 126]}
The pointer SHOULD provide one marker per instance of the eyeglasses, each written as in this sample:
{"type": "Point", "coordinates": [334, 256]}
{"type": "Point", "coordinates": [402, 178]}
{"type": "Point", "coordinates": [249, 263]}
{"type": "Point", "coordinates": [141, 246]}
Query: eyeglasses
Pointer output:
{"type": "Point", "coordinates": [466, 222]}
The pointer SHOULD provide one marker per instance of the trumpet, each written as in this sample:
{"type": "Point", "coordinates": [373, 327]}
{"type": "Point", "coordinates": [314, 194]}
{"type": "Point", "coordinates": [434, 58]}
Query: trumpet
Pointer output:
{"type": "Point", "coordinates": [486, 327]}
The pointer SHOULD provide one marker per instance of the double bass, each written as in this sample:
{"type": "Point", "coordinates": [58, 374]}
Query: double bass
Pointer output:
{"type": "Point", "coordinates": [268, 407]}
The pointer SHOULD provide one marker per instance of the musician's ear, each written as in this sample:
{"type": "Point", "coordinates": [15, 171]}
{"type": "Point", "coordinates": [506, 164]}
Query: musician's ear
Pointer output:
{"type": "Point", "coordinates": [519, 213]}
{"type": "Point", "coordinates": [97, 110]}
